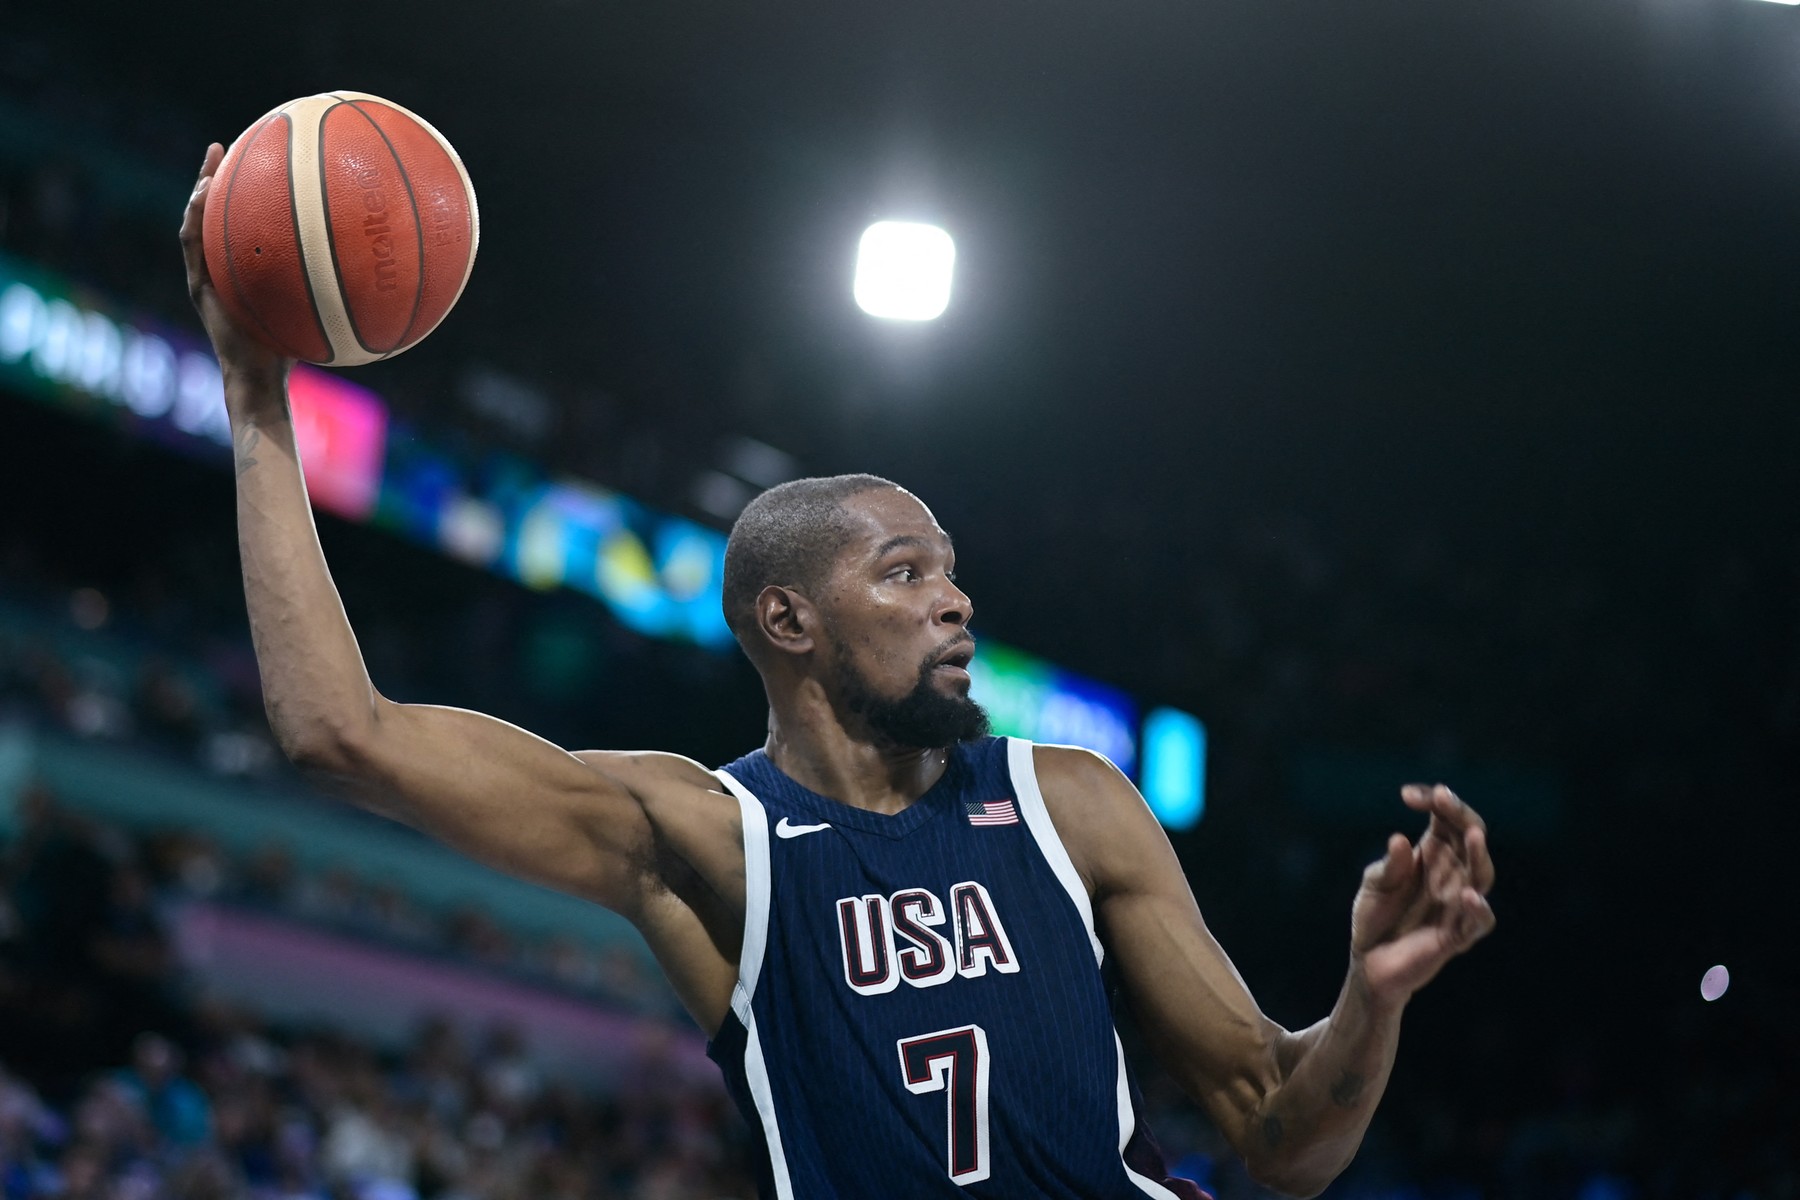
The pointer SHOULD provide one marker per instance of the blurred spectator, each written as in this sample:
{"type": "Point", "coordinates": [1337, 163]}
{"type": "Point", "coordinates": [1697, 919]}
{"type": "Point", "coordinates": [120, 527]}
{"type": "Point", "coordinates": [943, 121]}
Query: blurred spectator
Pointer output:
{"type": "Point", "coordinates": [269, 878]}
{"type": "Point", "coordinates": [177, 1108]}
{"type": "Point", "coordinates": [133, 962]}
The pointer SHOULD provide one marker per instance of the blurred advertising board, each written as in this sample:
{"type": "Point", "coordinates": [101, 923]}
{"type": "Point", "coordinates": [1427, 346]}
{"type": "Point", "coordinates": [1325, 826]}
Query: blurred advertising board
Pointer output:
{"type": "Point", "coordinates": [659, 575]}
{"type": "Point", "coordinates": [1028, 697]}
{"type": "Point", "coordinates": [164, 385]}
{"type": "Point", "coordinates": [66, 345]}
{"type": "Point", "coordinates": [341, 432]}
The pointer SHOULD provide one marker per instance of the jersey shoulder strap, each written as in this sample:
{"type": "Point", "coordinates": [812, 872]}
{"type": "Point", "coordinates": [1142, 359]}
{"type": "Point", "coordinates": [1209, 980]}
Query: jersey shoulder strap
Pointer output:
{"type": "Point", "coordinates": [1021, 761]}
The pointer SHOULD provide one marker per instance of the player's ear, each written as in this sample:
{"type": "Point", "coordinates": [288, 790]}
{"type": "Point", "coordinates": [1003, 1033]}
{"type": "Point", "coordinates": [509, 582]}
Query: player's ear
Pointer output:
{"type": "Point", "coordinates": [786, 619]}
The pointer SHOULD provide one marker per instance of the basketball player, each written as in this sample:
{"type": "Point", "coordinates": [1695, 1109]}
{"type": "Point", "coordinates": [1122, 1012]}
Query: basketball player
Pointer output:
{"type": "Point", "coordinates": [890, 924]}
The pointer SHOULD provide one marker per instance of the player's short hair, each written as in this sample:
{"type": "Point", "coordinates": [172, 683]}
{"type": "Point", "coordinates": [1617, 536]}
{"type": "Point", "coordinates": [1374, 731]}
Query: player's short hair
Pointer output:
{"type": "Point", "coordinates": [788, 536]}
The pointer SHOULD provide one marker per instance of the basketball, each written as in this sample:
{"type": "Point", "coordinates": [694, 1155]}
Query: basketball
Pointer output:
{"type": "Point", "coordinates": [340, 229]}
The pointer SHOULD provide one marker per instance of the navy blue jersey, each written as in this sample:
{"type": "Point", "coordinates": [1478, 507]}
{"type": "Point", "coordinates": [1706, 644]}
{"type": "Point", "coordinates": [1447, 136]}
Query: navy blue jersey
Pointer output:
{"type": "Point", "coordinates": [919, 1009]}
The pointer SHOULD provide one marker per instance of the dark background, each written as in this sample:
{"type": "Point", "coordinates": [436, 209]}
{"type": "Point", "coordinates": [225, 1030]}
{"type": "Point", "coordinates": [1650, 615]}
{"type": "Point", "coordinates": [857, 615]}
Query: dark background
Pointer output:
{"type": "Point", "coordinates": [1398, 382]}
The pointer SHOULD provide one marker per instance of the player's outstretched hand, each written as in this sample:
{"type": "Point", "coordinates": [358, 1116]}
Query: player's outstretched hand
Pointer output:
{"type": "Point", "coordinates": [1421, 905]}
{"type": "Point", "coordinates": [239, 353]}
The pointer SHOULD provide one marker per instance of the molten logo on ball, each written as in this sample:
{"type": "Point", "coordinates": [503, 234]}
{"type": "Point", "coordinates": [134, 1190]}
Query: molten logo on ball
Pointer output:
{"type": "Point", "coordinates": [375, 228]}
{"type": "Point", "coordinates": [341, 229]}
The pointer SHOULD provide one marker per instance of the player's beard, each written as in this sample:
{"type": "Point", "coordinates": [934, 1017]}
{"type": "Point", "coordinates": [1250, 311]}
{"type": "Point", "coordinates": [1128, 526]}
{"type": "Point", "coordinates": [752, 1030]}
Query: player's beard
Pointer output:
{"type": "Point", "coordinates": [926, 718]}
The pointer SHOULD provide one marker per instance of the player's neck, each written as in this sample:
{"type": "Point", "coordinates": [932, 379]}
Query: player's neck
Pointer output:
{"type": "Point", "coordinates": [821, 755]}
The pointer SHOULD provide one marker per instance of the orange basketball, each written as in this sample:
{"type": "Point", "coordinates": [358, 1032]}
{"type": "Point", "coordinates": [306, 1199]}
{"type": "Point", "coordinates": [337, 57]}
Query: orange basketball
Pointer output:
{"type": "Point", "coordinates": [340, 229]}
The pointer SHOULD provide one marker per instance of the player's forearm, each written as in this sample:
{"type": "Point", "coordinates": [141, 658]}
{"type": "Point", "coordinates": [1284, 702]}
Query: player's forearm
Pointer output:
{"type": "Point", "coordinates": [315, 687]}
{"type": "Point", "coordinates": [1334, 1074]}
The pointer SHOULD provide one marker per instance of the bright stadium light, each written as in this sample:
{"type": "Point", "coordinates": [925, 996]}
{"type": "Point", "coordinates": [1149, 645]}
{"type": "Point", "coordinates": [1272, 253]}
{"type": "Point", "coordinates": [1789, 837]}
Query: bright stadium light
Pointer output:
{"type": "Point", "coordinates": [903, 270]}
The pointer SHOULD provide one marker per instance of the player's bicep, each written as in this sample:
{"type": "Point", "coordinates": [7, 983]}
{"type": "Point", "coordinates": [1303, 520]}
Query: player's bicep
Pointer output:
{"type": "Point", "coordinates": [504, 797]}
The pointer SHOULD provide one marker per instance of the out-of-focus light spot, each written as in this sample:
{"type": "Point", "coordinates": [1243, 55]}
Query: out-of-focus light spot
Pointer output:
{"type": "Point", "coordinates": [1174, 774]}
{"type": "Point", "coordinates": [903, 270]}
{"type": "Point", "coordinates": [686, 566]}
{"type": "Point", "coordinates": [625, 573]}
{"type": "Point", "coordinates": [541, 550]}
{"type": "Point", "coordinates": [1714, 983]}
{"type": "Point", "coordinates": [88, 608]}
{"type": "Point", "coordinates": [719, 494]}
{"type": "Point", "coordinates": [1605, 1187]}
{"type": "Point", "coordinates": [1784, 1]}
{"type": "Point", "coordinates": [759, 463]}
{"type": "Point", "coordinates": [472, 530]}
{"type": "Point", "coordinates": [1196, 1166]}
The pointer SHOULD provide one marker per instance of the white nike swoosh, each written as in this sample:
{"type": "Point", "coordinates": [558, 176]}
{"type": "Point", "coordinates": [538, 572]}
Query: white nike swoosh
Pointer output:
{"type": "Point", "coordinates": [784, 830]}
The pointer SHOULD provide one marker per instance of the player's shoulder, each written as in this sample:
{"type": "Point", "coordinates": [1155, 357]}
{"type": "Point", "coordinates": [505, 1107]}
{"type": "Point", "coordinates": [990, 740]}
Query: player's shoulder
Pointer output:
{"type": "Point", "coordinates": [1101, 819]}
{"type": "Point", "coordinates": [1084, 790]}
{"type": "Point", "coordinates": [1062, 767]}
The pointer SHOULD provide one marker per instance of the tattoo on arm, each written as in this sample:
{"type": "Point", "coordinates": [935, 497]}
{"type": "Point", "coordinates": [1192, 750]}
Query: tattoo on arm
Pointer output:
{"type": "Point", "coordinates": [1272, 1131]}
{"type": "Point", "coordinates": [1347, 1090]}
{"type": "Point", "coordinates": [245, 455]}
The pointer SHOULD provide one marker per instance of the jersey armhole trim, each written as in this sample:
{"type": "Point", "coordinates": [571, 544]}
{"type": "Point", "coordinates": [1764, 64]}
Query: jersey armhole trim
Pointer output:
{"type": "Point", "coordinates": [1128, 1128]}
{"type": "Point", "coordinates": [1022, 765]}
{"type": "Point", "coordinates": [755, 822]}
{"type": "Point", "coordinates": [756, 1073]}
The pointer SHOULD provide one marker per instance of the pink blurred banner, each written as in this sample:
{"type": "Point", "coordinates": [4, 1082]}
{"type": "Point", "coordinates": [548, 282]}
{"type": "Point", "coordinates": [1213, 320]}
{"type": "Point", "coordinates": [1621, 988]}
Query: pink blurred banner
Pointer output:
{"type": "Point", "coordinates": [341, 432]}
{"type": "Point", "coordinates": [293, 973]}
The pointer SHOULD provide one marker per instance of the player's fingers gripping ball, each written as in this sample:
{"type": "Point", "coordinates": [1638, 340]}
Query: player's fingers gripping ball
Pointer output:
{"type": "Point", "coordinates": [340, 229]}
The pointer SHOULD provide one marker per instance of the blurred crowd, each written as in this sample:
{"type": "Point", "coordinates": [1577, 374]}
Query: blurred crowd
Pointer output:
{"type": "Point", "coordinates": [120, 1078]}
{"type": "Point", "coordinates": [261, 1113]}
{"type": "Point", "coordinates": [99, 687]}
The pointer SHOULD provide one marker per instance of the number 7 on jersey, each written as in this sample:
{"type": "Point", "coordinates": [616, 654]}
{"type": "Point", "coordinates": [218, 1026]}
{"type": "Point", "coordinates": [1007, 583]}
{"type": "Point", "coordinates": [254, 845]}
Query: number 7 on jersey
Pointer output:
{"type": "Point", "coordinates": [955, 1062]}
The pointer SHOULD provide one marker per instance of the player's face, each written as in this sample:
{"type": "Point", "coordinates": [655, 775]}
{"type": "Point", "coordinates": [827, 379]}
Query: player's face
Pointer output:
{"type": "Point", "coordinates": [897, 626]}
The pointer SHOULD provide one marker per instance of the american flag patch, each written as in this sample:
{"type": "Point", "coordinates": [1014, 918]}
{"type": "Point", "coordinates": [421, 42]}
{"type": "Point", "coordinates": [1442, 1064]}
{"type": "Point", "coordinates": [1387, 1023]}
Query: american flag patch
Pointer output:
{"type": "Point", "coordinates": [992, 812]}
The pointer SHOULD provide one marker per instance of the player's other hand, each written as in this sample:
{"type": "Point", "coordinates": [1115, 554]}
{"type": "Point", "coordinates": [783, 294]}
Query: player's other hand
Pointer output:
{"type": "Point", "coordinates": [1420, 905]}
{"type": "Point", "coordinates": [240, 355]}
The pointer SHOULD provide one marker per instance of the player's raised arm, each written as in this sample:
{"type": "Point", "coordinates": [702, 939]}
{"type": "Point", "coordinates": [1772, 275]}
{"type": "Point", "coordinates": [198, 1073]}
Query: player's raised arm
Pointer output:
{"type": "Point", "coordinates": [491, 790]}
{"type": "Point", "coordinates": [1295, 1106]}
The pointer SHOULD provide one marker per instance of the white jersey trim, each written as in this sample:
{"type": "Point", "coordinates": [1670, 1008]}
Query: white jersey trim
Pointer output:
{"type": "Point", "coordinates": [1128, 1126]}
{"type": "Point", "coordinates": [755, 821]}
{"type": "Point", "coordinates": [1023, 767]}
{"type": "Point", "coordinates": [756, 1072]}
